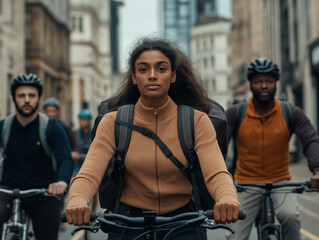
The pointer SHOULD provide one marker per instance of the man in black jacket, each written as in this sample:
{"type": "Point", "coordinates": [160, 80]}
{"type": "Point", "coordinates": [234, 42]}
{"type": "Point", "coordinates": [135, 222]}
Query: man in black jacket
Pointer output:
{"type": "Point", "coordinates": [27, 164]}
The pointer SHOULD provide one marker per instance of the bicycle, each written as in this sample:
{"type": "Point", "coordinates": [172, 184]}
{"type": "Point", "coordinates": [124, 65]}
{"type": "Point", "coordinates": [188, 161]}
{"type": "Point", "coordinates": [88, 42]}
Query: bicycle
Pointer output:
{"type": "Point", "coordinates": [17, 227]}
{"type": "Point", "coordinates": [150, 223]}
{"type": "Point", "coordinates": [267, 229]}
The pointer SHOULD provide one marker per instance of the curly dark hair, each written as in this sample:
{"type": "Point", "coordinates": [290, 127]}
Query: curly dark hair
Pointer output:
{"type": "Point", "coordinates": [187, 89]}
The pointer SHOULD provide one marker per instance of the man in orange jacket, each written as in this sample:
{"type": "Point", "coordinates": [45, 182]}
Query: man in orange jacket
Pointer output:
{"type": "Point", "coordinates": [262, 142]}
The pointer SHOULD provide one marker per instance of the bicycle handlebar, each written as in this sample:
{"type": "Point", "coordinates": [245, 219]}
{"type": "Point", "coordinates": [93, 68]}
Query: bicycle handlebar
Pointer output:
{"type": "Point", "coordinates": [298, 187]}
{"type": "Point", "coordinates": [158, 219]}
{"type": "Point", "coordinates": [17, 193]}
{"type": "Point", "coordinates": [275, 185]}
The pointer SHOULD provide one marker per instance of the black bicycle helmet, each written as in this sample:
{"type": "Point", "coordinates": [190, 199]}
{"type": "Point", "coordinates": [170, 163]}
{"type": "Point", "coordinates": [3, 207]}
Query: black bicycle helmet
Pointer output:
{"type": "Point", "coordinates": [263, 65]}
{"type": "Point", "coordinates": [26, 79]}
{"type": "Point", "coordinates": [51, 102]}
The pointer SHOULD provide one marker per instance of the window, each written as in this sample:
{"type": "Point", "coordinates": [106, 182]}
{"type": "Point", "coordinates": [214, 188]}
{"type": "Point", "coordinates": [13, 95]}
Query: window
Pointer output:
{"type": "Point", "coordinates": [77, 23]}
{"type": "Point", "coordinates": [214, 85]}
{"type": "Point", "coordinates": [80, 24]}
{"type": "Point", "coordinates": [183, 11]}
{"type": "Point", "coordinates": [205, 62]}
{"type": "Point", "coordinates": [73, 23]}
{"type": "Point", "coordinates": [213, 61]}
{"type": "Point", "coordinates": [11, 10]}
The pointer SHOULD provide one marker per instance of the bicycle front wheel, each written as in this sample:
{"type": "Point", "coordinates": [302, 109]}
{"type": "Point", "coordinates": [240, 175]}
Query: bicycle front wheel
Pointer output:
{"type": "Point", "coordinates": [11, 236]}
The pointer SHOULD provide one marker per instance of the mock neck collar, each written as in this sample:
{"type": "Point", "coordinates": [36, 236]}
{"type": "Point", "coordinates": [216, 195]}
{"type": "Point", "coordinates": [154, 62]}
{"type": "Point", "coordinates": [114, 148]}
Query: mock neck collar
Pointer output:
{"type": "Point", "coordinates": [252, 112]}
{"type": "Point", "coordinates": [162, 112]}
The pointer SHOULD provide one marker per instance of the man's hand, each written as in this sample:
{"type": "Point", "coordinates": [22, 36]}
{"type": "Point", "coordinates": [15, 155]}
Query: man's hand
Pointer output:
{"type": "Point", "coordinates": [57, 188]}
{"type": "Point", "coordinates": [75, 156]}
{"type": "Point", "coordinates": [315, 180]}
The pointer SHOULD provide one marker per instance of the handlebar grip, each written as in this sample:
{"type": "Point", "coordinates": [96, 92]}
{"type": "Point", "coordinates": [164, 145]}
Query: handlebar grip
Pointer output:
{"type": "Point", "coordinates": [93, 216]}
{"type": "Point", "coordinates": [241, 215]}
{"type": "Point", "coordinates": [308, 184]}
{"type": "Point", "coordinates": [63, 218]}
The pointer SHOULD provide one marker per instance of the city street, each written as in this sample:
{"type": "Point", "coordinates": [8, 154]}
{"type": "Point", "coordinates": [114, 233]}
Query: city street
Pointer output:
{"type": "Point", "coordinates": [309, 214]}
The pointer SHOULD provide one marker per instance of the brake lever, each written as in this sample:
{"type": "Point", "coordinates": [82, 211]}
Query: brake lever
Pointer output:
{"type": "Point", "coordinates": [212, 225]}
{"type": "Point", "coordinates": [94, 228]}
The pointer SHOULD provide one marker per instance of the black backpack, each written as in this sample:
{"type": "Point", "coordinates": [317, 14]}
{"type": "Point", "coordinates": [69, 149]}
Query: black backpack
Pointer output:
{"type": "Point", "coordinates": [240, 114]}
{"type": "Point", "coordinates": [112, 183]}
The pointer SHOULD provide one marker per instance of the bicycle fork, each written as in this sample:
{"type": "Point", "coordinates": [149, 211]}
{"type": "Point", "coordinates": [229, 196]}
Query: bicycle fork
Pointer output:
{"type": "Point", "coordinates": [267, 221]}
{"type": "Point", "coordinates": [16, 225]}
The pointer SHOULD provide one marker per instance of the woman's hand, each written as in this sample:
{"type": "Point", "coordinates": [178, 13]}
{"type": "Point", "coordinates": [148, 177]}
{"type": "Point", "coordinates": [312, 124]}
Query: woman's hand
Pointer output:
{"type": "Point", "coordinates": [78, 215]}
{"type": "Point", "coordinates": [226, 212]}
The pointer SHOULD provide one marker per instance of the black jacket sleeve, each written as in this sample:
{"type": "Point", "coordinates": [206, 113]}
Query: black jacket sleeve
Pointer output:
{"type": "Point", "coordinates": [59, 143]}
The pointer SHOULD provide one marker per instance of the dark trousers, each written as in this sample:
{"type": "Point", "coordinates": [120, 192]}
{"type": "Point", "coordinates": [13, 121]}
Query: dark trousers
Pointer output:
{"type": "Point", "coordinates": [188, 233]}
{"type": "Point", "coordinates": [44, 212]}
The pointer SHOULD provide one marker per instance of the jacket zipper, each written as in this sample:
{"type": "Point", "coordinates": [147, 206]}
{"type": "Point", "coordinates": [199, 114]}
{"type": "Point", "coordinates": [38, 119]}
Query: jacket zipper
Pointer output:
{"type": "Point", "coordinates": [156, 165]}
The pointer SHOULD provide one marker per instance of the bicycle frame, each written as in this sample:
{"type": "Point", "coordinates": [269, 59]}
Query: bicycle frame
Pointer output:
{"type": "Point", "coordinates": [267, 218]}
{"type": "Point", "coordinates": [18, 224]}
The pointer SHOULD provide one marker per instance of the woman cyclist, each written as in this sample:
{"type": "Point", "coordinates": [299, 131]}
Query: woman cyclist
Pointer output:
{"type": "Point", "coordinates": [159, 78]}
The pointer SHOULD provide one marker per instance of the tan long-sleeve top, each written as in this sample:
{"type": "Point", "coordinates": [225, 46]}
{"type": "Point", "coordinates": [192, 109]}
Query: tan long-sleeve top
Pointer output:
{"type": "Point", "coordinates": [152, 181]}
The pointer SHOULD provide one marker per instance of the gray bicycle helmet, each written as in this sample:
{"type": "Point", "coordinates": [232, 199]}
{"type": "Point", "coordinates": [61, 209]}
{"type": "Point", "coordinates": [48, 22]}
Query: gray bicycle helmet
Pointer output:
{"type": "Point", "coordinates": [263, 65]}
{"type": "Point", "coordinates": [26, 79]}
{"type": "Point", "coordinates": [51, 102]}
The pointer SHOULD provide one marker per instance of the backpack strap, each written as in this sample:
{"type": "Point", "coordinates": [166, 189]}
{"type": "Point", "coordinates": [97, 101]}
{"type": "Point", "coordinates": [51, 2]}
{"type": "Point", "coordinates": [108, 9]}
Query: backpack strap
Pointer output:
{"type": "Point", "coordinates": [123, 133]}
{"type": "Point", "coordinates": [148, 133]}
{"type": "Point", "coordinates": [43, 125]}
{"type": "Point", "coordinates": [185, 125]}
{"type": "Point", "coordinates": [122, 139]}
{"type": "Point", "coordinates": [240, 114]}
{"type": "Point", "coordinates": [286, 112]}
{"type": "Point", "coordinates": [5, 133]}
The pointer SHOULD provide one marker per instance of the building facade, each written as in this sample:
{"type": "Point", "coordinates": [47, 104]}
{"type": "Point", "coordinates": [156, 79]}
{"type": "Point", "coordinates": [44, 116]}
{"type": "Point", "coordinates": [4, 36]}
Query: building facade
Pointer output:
{"type": "Point", "coordinates": [299, 21]}
{"type": "Point", "coordinates": [211, 54]}
{"type": "Point", "coordinates": [90, 54]}
{"type": "Point", "coordinates": [12, 50]}
{"type": "Point", "coordinates": [178, 16]}
{"type": "Point", "coordinates": [47, 48]}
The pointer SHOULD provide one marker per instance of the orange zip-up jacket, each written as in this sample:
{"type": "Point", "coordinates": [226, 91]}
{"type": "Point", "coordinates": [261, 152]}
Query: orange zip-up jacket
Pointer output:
{"type": "Point", "coordinates": [262, 146]}
{"type": "Point", "coordinates": [152, 181]}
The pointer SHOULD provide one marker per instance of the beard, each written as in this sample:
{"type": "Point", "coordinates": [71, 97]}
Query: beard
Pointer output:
{"type": "Point", "coordinates": [264, 101]}
{"type": "Point", "coordinates": [28, 114]}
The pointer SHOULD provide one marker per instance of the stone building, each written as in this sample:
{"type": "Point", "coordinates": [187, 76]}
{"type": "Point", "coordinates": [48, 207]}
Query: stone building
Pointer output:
{"type": "Point", "coordinates": [12, 54]}
{"type": "Point", "coordinates": [90, 54]}
{"type": "Point", "coordinates": [211, 54]}
{"type": "Point", "coordinates": [47, 48]}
